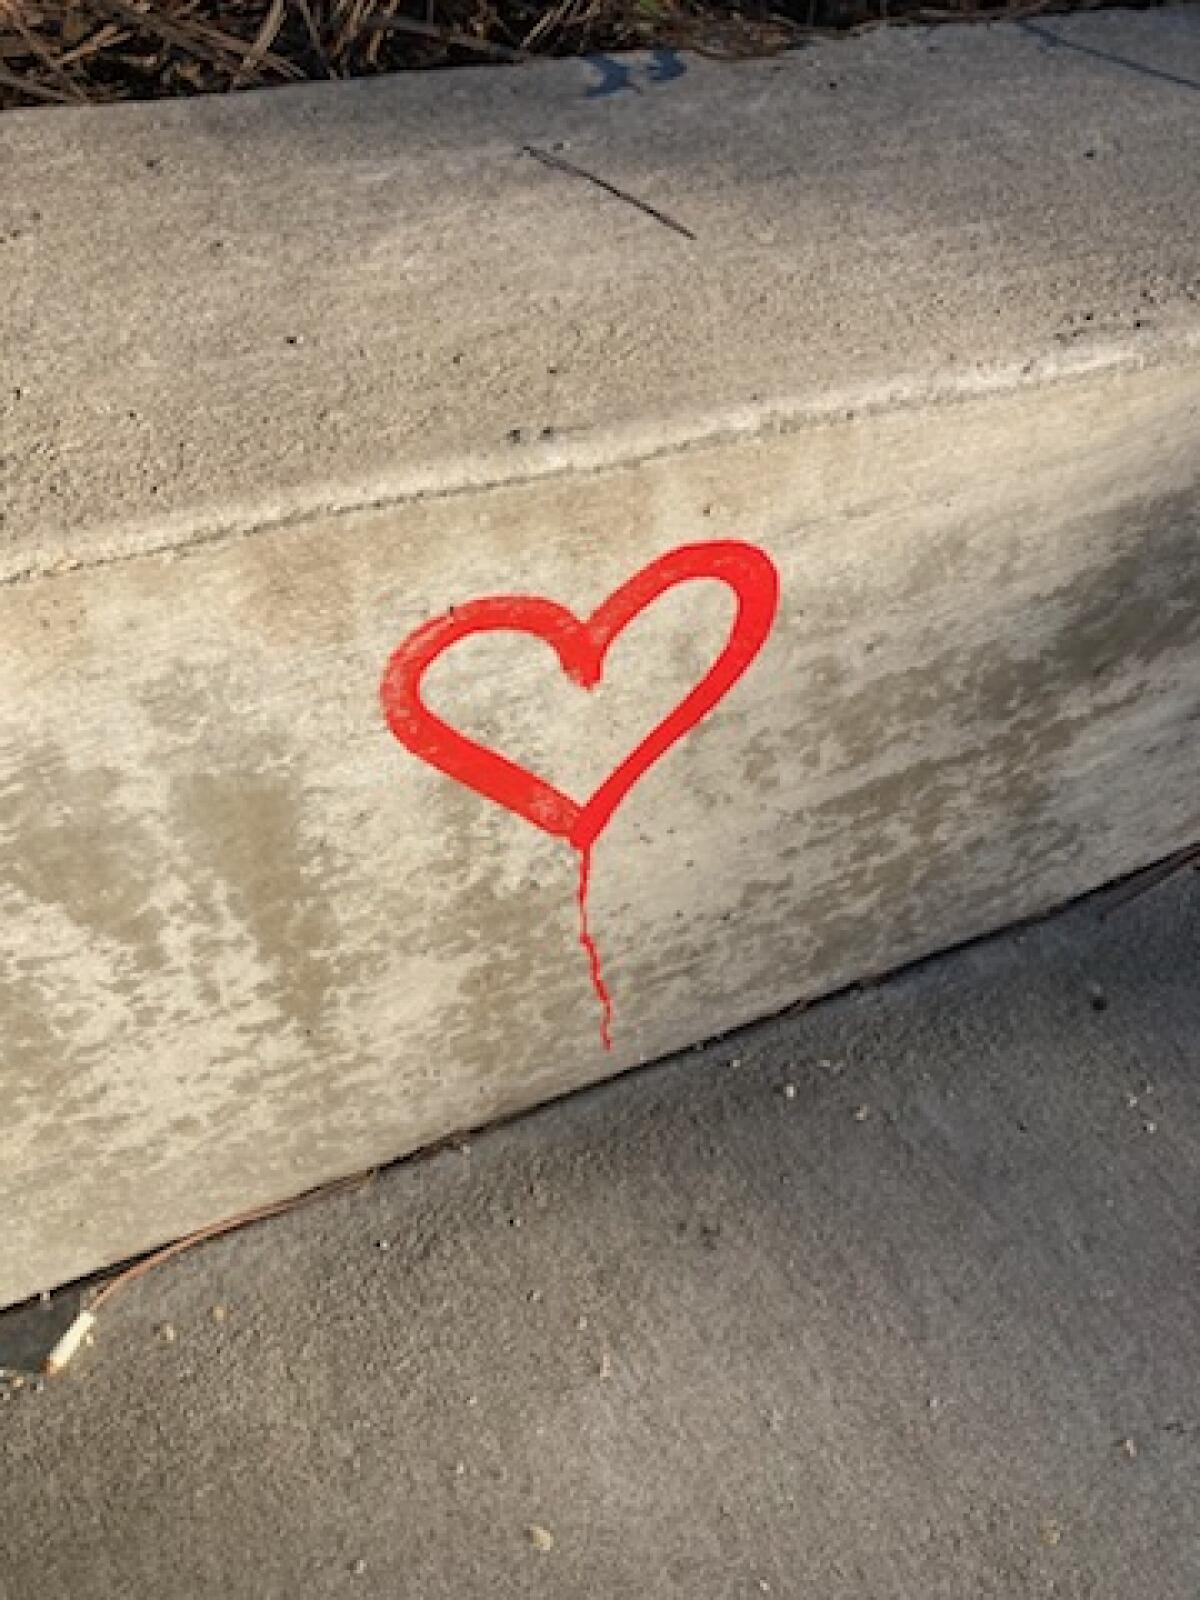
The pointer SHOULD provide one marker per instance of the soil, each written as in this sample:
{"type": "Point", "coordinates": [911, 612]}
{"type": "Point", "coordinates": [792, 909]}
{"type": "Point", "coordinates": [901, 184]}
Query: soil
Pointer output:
{"type": "Point", "coordinates": [84, 51]}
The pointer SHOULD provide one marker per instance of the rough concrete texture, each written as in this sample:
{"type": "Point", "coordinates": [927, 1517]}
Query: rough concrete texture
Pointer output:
{"type": "Point", "coordinates": [228, 311]}
{"type": "Point", "coordinates": [248, 943]}
{"type": "Point", "coordinates": [896, 1298]}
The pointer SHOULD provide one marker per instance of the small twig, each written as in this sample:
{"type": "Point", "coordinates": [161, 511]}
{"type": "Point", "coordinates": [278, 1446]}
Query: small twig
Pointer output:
{"type": "Point", "coordinates": [560, 165]}
{"type": "Point", "coordinates": [351, 19]}
{"type": "Point", "coordinates": [1143, 882]}
{"type": "Point", "coordinates": [446, 36]}
{"type": "Point", "coordinates": [378, 38]}
{"type": "Point", "coordinates": [80, 1328]}
{"type": "Point", "coordinates": [104, 36]}
{"type": "Point", "coordinates": [221, 49]}
{"type": "Point", "coordinates": [553, 20]}
{"type": "Point", "coordinates": [35, 90]}
{"type": "Point", "coordinates": [216, 1229]}
{"type": "Point", "coordinates": [67, 1347]}
{"type": "Point", "coordinates": [38, 50]}
{"type": "Point", "coordinates": [315, 37]}
{"type": "Point", "coordinates": [264, 39]}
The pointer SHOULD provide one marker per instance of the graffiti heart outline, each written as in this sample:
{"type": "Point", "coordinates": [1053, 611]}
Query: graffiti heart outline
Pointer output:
{"type": "Point", "coordinates": [582, 646]}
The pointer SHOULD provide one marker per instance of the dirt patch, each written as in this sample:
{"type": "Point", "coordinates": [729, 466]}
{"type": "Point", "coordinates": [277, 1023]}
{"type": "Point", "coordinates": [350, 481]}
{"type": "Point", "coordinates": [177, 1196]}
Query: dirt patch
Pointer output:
{"type": "Point", "coordinates": [79, 51]}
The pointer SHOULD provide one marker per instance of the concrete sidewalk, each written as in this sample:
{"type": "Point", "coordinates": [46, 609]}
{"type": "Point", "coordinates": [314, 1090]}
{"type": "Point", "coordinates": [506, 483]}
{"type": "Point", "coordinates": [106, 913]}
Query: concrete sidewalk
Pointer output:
{"type": "Point", "coordinates": [895, 1298]}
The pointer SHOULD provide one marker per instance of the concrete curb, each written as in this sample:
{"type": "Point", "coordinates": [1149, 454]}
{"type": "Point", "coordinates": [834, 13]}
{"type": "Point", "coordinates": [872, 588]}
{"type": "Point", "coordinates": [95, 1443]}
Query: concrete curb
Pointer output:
{"type": "Point", "coordinates": [250, 941]}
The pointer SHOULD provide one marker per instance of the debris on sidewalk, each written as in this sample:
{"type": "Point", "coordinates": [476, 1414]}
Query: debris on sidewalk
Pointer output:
{"type": "Point", "coordinates": [47, 1335]}
{"type": "Point", "coordinates": [76, 51]}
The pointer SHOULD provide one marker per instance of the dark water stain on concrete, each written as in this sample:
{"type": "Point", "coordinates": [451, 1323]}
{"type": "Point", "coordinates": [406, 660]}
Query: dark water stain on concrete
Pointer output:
{"type": "Point", "coordinates": [245, 835]}
{"type": "Point", "coordinates": [76, 845]}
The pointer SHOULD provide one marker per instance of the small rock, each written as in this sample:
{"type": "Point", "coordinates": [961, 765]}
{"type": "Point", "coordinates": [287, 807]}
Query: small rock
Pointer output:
{"type": "Point", "coordinates": [1150, 1127]}
{"type": "Point", "coordinates": [605, 1367]}
{"type": "Point", "coordinates": [1051, 1532]}
{"type": "Point", "coordinates": [383, 1244]}
{"type": "Point", "coordinates": [861, 1113]}
{"type": "Point", "coordinates": [167, 1333]}
{"type": "Point", "coordinates": [1097, 998]}
{"type": "Point", "coordinates": [540, 1538]}
{"type": "Point", "coordinates": [789, 1091]}
{"type": "Point", "coordinates": [534, 1296]}
{"type": "Point", "coordinates": [581, 1323]}
{"type": "Point", "coordinates": [220, 1314]}
{"type": "Point", "coordinates": [358, 1567]}
{"type": "Point", "coordinates": [1129, 1448]}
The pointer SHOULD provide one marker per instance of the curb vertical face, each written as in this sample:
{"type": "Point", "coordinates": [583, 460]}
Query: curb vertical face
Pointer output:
{"type": "Point", "coordinates": [582, 647]}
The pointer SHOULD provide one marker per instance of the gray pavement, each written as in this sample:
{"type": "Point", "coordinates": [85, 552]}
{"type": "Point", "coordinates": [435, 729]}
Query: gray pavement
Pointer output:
{"type": "Point", "coordinates": [898, 1297]}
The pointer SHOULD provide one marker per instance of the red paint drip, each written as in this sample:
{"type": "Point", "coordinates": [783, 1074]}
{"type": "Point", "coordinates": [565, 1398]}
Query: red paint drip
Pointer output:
{"type": "Point", "coordinates": [589, 945]}
{"type": "Point", "coordinates": [581, 645]}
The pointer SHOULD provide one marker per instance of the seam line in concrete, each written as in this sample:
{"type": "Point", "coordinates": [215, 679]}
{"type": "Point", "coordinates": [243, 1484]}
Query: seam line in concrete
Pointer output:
{"type": "Point", "coordinates": [612, 450]}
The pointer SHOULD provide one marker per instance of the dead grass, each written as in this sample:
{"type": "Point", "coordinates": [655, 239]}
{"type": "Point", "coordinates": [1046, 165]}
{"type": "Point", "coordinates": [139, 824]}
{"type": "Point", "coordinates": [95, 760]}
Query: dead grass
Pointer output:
{"type": "Point", "coordinates": [76, 51]}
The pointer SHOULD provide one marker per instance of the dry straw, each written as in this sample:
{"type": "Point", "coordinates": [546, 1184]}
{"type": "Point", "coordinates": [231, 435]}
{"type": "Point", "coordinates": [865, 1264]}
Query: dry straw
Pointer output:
{"type": "Point", "coordinates": [75, 51]}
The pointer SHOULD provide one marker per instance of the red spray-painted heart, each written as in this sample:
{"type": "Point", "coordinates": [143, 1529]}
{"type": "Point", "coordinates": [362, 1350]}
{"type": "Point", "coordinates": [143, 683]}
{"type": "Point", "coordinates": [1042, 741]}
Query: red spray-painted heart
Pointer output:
{"type": "Point", "coordinates": [581, 647]}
